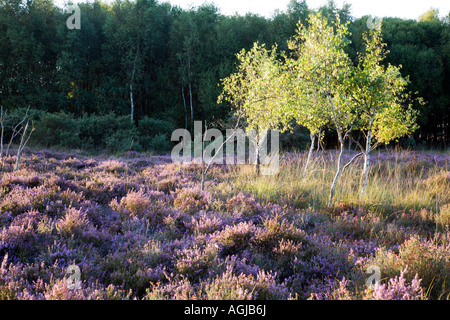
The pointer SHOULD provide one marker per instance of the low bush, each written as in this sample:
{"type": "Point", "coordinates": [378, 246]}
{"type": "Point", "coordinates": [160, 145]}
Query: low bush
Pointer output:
{"type": "Point", "coordinates": [155, 133]}
{"type": "Point", "coordinates": [149, 205]}
{"type": "Point", "coordinates": [433, 266]}
{"type": "Point", "coordinates": [110, 132]}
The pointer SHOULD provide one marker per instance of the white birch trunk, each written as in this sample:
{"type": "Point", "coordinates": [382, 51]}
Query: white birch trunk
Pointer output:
{"type": "Point", "coordinates": [190, 92]}
{"type": "Point", "coordinates": [311, 148]}
{"type": "Point", "coordinates": [257, 158]}
{"type": "Point", "coordinates": [131, 101]}
{"type": "Point", "coordinates": [131, 86]}
{"type": "Point", "coordinates": [367, 158]}
{"type": "Point", "coordinates": [339, 166]}
{"type": "Point", "coordinates": [338, 172]}
{"type": "Point", "coordinates": [185, 109]}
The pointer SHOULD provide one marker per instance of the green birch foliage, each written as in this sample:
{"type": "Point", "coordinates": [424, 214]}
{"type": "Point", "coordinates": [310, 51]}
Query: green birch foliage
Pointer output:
{"type": "Point", "coordinates": [254, 90]}
{"type": "Point", "coordinates": [319, 71]}
{"type": "Point", "coordinates": [380, 93]}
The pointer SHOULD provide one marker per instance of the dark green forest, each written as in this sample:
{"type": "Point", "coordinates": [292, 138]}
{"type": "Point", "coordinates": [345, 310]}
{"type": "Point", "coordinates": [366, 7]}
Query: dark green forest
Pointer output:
{"type": "Point", "coordinates": [77, 82]}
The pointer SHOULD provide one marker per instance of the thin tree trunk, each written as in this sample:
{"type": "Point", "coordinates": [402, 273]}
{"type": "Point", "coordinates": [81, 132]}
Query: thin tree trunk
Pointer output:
{"type": "Point", "coordinates": [190, 102]}
{"type": "Point", "coordinates": [257, 160]}
{"type": "Point", "coordinates": [338, 172]}
{"type": "Point", "coordinates": [21, 146]}
{"type": "Point", "coordinates": [131, 86]}
{"type": "Point", "coordinates": [190, 92]}
{"type": "Point", "coordinates": [319, 140]}
{"type": "Point", "coordinates": [339, 166]}
{"type": "Point", "coordinates": [365, 173]}
{"type": "Point", "coordinates": [217, 152]}
{"type": "Point", "coordinates": [367, 158]}
{"type": "Point", "coordinates": [311, 148]}
{"type": "Point", "coordinates": [185, 109]}
{"type": "Point", "coordinates": [15, 132]}
{"type": "Point", "coordinates": [2, 118]}
{"type": "Point", "coordinates": [132, 104]}
{"type": "Point", "coordinates": [260, 140]}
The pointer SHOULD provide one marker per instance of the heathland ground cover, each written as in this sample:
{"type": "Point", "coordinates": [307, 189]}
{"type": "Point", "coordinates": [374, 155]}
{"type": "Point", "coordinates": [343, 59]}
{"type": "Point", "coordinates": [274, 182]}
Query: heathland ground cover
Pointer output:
{"type": "Point", "coordinates": [139, 227]}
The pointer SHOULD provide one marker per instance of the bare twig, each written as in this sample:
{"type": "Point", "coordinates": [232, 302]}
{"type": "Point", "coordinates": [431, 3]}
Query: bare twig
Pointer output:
{"type": "Point", "coordinates": [23, 141]}
{"type": "Point", "coordinates": [16, 130]}
{"type": "Point", "coordinates": [218, 151]}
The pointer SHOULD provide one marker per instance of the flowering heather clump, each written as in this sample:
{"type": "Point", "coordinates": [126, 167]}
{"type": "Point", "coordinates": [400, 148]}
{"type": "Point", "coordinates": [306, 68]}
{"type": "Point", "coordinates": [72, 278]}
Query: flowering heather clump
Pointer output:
{"type": "Point", "coordinates": [323, 257]}
{"type": "Point", "coordinates": [131, 269]}
{"type": "Point", "coordinates": [20, 199]}
{"type": "Point", "coordinates": [20, 238]}
{"type": "Point", "coordinates": [195, 262]}
{"type": "Point", "coordinates": [331, 289]}
{"type": "Point", "coordinates": [235, 238]}
{"type": "Point", "coordinates": [168, 184]}
{"type": "Point", "coordinates": [230, 286]}
{"type": "Point", "coordinates": [286, 250]}
{"type": "Point", "coordinates": [176, 224]}
{"type": "Point", "coordinates": [74, 223]}
{"type": "Point", "coordinates": [243, 204]}
{"type": "Point", "coordinates": [205, 223]}
{"type": "Point", "coordinates": [398, 289]}
{"type": "Point", "coordinates": [180, 289]}
{"type": "Point", "coordinates": [58, 290]}
{"type": "Point", "coordinates": [113, 166]}
{"type": "Point", "coordinates": [240, 265]}
{"type": "Point", "coordinates": [73, 163]}
{"type": "Point", "coordinates": [361, 248]}
{"type": "Point", "coordinates": [21, 178]}
{"type": "Point", "coordinates": [150, 205]}
{"type": "Point", "coordinates": [275, 229]}
{"type": "Point", "coordinates": [135, 203]}
{"type": "Point", "coordinates": [430, 259]}
{"type": "Point", "coordinates": [63, 184]}
{"type": "Point", "coordinates": [102, 188]}
{"type": "Point", "coordinates": [191, 200]}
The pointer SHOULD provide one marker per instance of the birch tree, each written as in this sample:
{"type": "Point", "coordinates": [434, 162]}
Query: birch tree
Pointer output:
{"type": "Point", "coordinates": [133, 73]}
{"type": "Point", "coordinates": [379, 92]}
{"type": "Point", "coordinates": [254, 91]}
{"type": "Point", "coordinates": [305, 101]}
{"type": "Point", "coordinates": [324, 71]}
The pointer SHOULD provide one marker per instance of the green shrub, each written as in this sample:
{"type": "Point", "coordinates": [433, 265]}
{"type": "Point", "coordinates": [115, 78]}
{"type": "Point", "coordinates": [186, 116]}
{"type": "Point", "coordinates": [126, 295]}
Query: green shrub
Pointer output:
{"type": "Point", "coordinates": [122, 140]}
{"type": "Point", "coordinates": [57, 129]}
{"type": "Point", "coordinates": [155, 134]}
{"type": "Point", "coordinates": [115, 133]}
{"type": "Point", "coordinates": [94, 129]}
{"type": "Point", "coordinates": [151, 127]}
{"type": "Point", "coordinates": [108, 131]}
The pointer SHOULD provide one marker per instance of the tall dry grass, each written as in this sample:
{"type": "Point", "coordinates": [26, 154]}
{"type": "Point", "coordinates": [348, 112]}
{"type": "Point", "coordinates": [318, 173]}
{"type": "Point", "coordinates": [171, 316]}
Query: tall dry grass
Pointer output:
{"type": "Point", "coordinates": [397, 181]}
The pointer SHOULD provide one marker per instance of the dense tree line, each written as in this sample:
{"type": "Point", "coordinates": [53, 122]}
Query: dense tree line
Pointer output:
{"type": "Point", "coordinates": [168, 62]}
